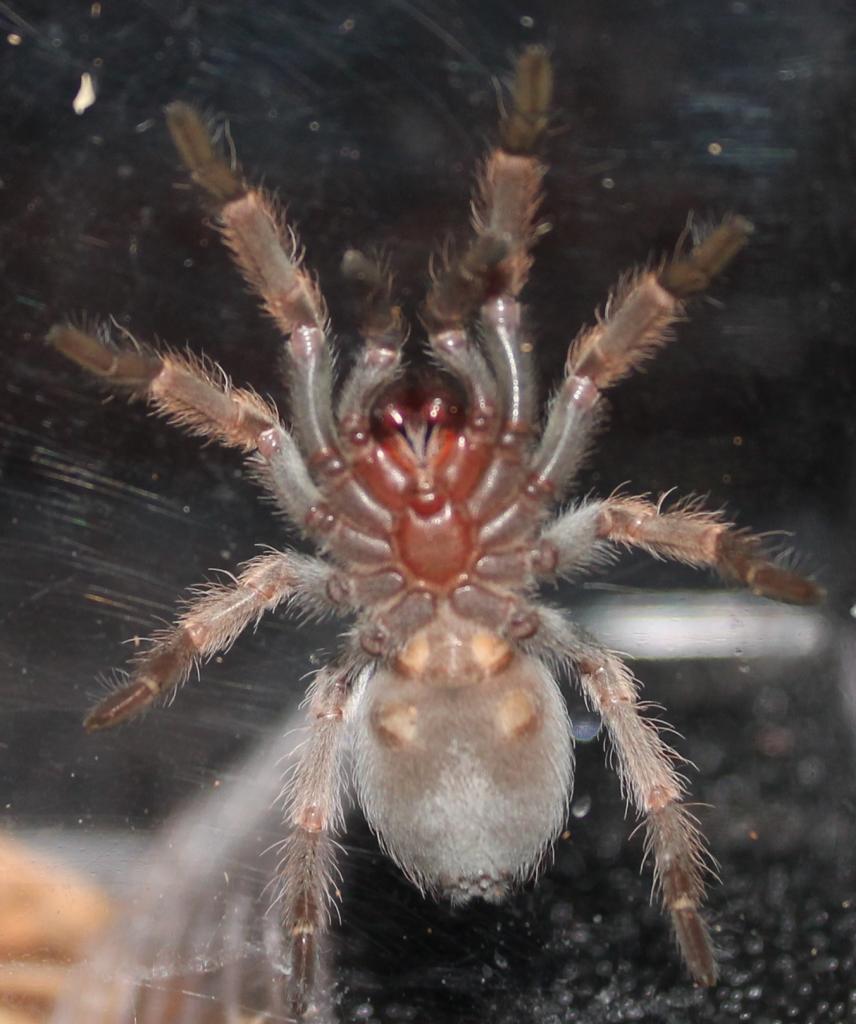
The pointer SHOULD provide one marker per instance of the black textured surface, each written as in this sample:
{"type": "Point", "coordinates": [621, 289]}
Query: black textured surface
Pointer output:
{"type": "Point", "coordinates": [369, 119]}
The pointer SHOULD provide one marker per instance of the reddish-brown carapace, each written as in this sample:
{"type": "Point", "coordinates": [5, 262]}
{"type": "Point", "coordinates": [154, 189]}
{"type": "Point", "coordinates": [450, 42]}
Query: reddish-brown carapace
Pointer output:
{"type": "Point", "coordinates": [436, 504]}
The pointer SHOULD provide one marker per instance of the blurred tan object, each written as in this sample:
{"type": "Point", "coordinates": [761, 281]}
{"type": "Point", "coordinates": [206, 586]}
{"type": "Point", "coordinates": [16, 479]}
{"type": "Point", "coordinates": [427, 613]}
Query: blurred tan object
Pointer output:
{"type": "Point", "coordinates": [192, 939]}
{"type": "Point", "coordinates": [48, 916]}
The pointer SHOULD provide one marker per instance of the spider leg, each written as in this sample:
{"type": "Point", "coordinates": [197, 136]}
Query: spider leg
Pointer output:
{"type": "Point", "coordinates": [211, 623]}
{"type": "Point", "coordinates": [383, 330]}
{"type": "Point", "coordinates": [505, 211]}
{"type": "Point", "coordinates": [452, 301]}
{"type": "Point", "coordinates": [271, 263]}
{"type": "Point", "coordinates": [183, 388]}
{"type": "Point", "coordinates": [268, 254]}
{"type": "Point", "coordinates": [509, 189]}
{"type": "Point", "coordinates": [685, 533]}
{"type": "Point", "coordinates": [505, 206]}
{"type": "Point", "coordinates": [489, 276]}
{"type": "Point", "coordinates": [646, 768]}
{"type": "Point", "coordinates": [200, 398]}
{"type": "Point", "coordinates": [314, 812]}
{"type": "Point", "coordinates": [635, 323]}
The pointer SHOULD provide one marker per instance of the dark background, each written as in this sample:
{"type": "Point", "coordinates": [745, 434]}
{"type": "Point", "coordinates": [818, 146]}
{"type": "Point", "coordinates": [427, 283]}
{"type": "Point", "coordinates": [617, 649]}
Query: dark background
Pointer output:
{"type": "Point", "coordinates": [368, 119]}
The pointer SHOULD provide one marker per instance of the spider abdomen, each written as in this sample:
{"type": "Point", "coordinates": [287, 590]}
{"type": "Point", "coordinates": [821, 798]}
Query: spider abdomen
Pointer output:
{"type": "Point", "coordinates": [463, 761]}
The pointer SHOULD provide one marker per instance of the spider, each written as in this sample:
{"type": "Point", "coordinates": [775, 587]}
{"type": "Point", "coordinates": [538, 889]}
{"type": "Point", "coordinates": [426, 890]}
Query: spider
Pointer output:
{"type": "Point", "coordinates": [436, 506]}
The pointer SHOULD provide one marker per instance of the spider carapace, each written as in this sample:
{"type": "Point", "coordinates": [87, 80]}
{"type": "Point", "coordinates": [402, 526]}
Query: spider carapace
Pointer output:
{"type": "Point", "coordinates": [418, 463]}
{"type": "Point", "coordinates": [437, 511]}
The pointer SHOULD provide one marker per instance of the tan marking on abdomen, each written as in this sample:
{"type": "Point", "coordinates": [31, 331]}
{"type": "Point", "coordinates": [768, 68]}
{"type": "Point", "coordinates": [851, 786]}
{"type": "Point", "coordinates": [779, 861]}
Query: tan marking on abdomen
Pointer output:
{"type": "Point", "coordinates": [395, 723]}
{"type": "Point", "coordinates": [491, 652]}
{"type": "Point", "coordinates": [517, 714]}
{"type": "Point", "coordinates": [414, 655]}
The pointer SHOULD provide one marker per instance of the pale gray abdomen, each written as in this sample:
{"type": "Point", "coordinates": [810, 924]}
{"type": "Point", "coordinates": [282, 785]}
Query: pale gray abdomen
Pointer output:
{"type": "Point", "coordinates": [466, 783]}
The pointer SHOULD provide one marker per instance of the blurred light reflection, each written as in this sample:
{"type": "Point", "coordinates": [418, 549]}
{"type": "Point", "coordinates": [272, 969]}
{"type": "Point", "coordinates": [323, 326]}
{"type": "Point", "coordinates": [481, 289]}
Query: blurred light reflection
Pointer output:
{"type": "Point", "coordinates": [688, 625]}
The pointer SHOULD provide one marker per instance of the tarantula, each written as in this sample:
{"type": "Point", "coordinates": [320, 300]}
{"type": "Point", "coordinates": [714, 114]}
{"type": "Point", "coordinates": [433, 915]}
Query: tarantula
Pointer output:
{"type": "Point", "coordinates": [433, 506]}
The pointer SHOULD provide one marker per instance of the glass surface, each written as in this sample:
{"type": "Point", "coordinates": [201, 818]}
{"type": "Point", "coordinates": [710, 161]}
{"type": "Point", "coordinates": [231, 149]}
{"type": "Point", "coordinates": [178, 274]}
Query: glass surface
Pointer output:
{"type": "Point", "coordinates": [369, 120]}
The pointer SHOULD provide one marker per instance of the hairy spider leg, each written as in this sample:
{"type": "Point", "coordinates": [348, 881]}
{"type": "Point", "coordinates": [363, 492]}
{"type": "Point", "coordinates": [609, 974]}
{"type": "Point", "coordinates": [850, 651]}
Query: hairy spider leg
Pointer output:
{"type": "Point", "coordinates": [505, 211]}
{"type": "Point", "coordinates": [382, 329]}
{"type": "Point", "coordinates": [686, 533]}
{"type": "Point", "coordinates": [211, 622]}
{"type": "Point", "coordinates": [268, 255]}
{"type": "Point", "coordinates": [313, 809]}
{"type": "Point", "coordinates": [636, 323]}
{"type": "Point", "coordinates": [649, 780]}
{"type": "Point", "coordinates": [198, 396]}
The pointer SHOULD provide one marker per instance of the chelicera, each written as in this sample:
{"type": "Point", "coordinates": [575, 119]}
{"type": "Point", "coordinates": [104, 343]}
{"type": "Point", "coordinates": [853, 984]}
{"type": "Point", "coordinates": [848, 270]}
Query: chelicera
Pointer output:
{"type": "Point", "coordinates": [436, 504]}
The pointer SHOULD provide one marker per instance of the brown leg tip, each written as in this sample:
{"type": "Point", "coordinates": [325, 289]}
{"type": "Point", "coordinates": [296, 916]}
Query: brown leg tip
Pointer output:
{"type": "Point", "coordinates": [705, 973]}
{"type": "Point", "coordinates": [695, 945]}
{"type": "Point", "coordinates": [119, 707]}
{"type": "Point", "coordinates": [694, 272]}
{"type": "Point", "coordinates": [190, 137]}
{"type": "Point", "coordinates": [531, 94]}
{"type": "Point", "coordinates": [781, 585]}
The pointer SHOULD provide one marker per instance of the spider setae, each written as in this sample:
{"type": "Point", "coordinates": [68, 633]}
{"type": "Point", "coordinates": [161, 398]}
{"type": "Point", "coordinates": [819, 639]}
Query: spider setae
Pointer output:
{"type": "Point", "coordinates": [434, 509]}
